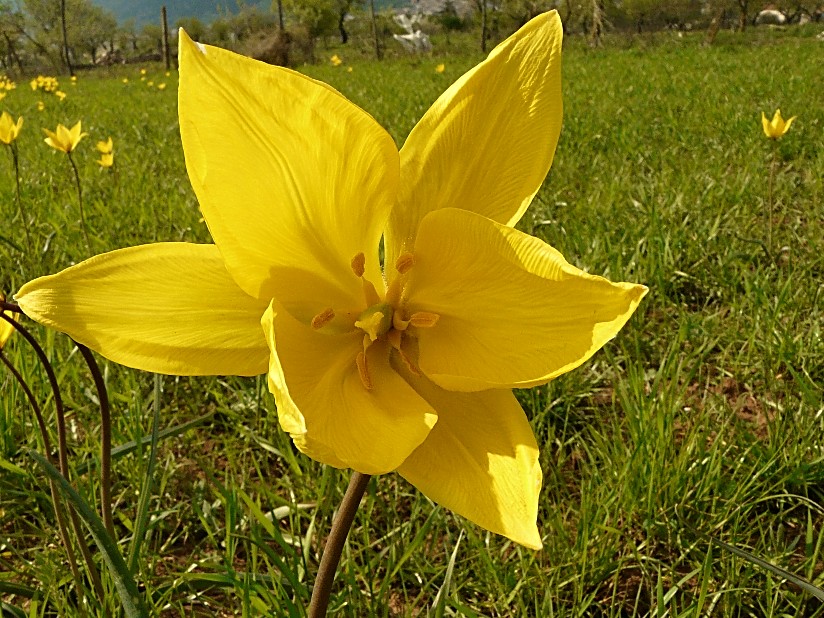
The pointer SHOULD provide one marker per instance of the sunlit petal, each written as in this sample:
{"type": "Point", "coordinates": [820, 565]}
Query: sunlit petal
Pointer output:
{"type": "Point", "coordinates": [512, 311]}
{"type": "Point", "coordinates": [323, 403]}
{"type": "Point", "coordinates": [289, 174]}
{"type": "Point", "coordinates": [168, 308]}
{"type": "Point", "coordinates": [487, 144]}
{"type": "Point", "coordinates": [480, 461]}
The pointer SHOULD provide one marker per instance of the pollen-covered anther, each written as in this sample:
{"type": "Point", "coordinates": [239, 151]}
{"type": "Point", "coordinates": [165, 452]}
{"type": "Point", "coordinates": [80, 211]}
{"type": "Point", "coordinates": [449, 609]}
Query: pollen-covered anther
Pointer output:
{"type": "Point", "coordinates": [404, 262]}
{"type": "Point", "coordinates": [424, 319]}
{"type": "Point", "coordinates": [323, 318]}
{"type": "Point", "coordinates": [363, 371]}
{"type": "Point", "coordinates": [358, 264]}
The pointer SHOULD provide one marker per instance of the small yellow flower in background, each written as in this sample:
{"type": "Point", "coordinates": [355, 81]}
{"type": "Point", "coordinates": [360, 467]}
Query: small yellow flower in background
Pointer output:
{"type": "Point", "coordinates": [106, 159]}
{"type": "Point", "coordinates": [6, 83]}
{"type": "Point", "coordinates": [125, 80]}
{"type": "Point", "coordinates": [74, 78]}
{"type": "Point", "coordinates": [60, 94]}
{"type": "Point", "coordinates": [9, 130]}
{"type": "Point", "coordinates": [440, 68]}
{"type": "Point", "coordinates": [776, 127]}
{"type": "Point", "coordinates": [150, 84]}
{"type": "Point", "coordinates": [143, 71]}
{"type": "Point", "coordinates": [42, 82]}
{"type": "Point", "coordinates": [41, 106]}
{"type": "Point", "coordinates": [105, 147]}
{"type": "Point", "coordinates": [143, 78]}
{"type": "Point", "coordinates": [161, 86]}
{"type": "Point", "coordinates": [335, 60]}
{"type": "Point", "coordinates": [2, 95]}
{"type": "Point", "coordinates": [168, 73]}
{"type": "Point", "coordinates": [405, 367]}
{"type": "Point", "coordinates": [7, 329]}
{"type": "Point", "coordinates": [63, 139]}
{"type": "Point", "coordinates": [106, 150]}
{"type": "Point", "coordinates": [348, 69]}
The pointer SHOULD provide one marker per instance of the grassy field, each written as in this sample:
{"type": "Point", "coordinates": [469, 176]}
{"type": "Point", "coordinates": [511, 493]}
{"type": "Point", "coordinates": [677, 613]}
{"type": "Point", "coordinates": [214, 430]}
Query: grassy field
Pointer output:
{"type": "Point", "coordinates": [703, 418]}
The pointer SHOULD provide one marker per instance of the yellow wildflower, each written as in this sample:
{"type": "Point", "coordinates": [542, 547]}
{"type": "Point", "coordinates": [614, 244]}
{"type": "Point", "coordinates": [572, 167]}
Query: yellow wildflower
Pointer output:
{"type": "Point", "coordinates": [776, 127]}
{"type": "Point", "coordinates": [64, 139]}
{"type": "Point", "coordinates": [106, 159]}
{"type": "Point", "coordinates": [336, 61]}
{"type": "Point", "coordinates": [440, 68]}
{"type": "Point", "coordinates": [407, 367]}
{"type": "Point", "coordinates": [105, 147]}
{"type": "Point", "coordinates": [143, 71]}
{"type": "Point", "coordinates": [125, 80]}
{"type": "Point", "coordinates": [161, 86]}
{"type": "Point", "coordinates": [9, 130]}
{"type": "Point", "coordinates": [6, 329]}
{"type": "Point", "coordinates": [41, 106]}
{"type": "Point", "coordinates": [60, 94]}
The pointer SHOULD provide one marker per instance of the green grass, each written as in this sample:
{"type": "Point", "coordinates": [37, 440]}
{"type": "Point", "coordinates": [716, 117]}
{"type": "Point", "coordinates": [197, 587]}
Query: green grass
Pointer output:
{"type": "Point", "coordinates": [704, 416]}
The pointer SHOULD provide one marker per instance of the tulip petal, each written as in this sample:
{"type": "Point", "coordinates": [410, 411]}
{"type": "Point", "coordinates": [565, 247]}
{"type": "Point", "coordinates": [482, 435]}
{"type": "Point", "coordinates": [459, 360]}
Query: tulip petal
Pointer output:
{"type": "Point", "coordinates": [324, 405]}
{"type": "Point", "coordinates": [291, 176]}
{"type": "Point", "coordinates": [480, 461]}
{"type": "Point", "coordinates": [487, 143]}
{"type": "Point", "coordinates": [513, 312]}
{"type": "Point", "coordinates": [167, 307]}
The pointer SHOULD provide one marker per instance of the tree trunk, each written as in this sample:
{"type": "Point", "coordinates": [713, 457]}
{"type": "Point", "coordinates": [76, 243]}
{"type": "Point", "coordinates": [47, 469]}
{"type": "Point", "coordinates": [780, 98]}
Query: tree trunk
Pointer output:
{"type": "Point", "coordinates": [597, 24]}
{"type": "Point", "coordinates": [66, 57]}
{"type": "Point", "coordinates": [280, 15]}
{"type": "Point", "coordinates": [484, 34]}
{"type": "Point", "coordinates": [164, 29]}
{"type": "Point", "coordinates": [375, 29]}
{"type": "Point", "coordinates": [742, 15]}
{"type": "Point", "coordinates": [715, 24]}
{"type": "Point", "coordinates": [344, 36]}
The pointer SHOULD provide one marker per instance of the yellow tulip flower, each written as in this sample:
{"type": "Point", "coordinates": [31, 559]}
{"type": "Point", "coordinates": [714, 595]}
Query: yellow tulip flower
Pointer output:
{"type": "Point", "coordinates": [6, 329]}
{"type": "Point", "coordinates": [776, 127]}
{"type": "Point", "coordinates": [161, 86]}
{"type": "Point", "coordinates": [41, 106]}
{"type": "Point", "coordinates": [440, 68]}
{"type": "Point", "coordinates": [9, 130]}
{"type": "Point", "coordinates": [64, 139]}
{"type": "Point", "coordinates": [105, 147]}
{"type": "Point", "coordinates": [407, 367]}
{"type": "Point", "coordinates": [106, 159]}
{"type": "Point", "coordinates": [336, 61]}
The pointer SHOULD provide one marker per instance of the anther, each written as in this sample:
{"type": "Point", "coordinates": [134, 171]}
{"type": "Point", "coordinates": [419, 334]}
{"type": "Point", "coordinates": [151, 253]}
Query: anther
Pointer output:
{"type": "Point", "coordinates": [358, 264]}
{"type": "Point", "coordinates": [424, 319]}
{"type": "Point", "coordinates": [363, 371]}
{"type": "Point", "coordinates": [404, 262]}
{"type": "Point", "coordinates": [323, 318]}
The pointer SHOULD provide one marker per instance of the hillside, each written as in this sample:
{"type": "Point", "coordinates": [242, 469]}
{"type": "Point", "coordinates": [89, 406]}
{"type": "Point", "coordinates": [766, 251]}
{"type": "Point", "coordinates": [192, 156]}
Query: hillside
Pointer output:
{"type": "Point", "coordinates": [147, 11]}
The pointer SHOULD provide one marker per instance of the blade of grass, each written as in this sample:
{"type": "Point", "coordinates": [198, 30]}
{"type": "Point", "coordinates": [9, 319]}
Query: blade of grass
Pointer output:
{"type": "Point", "coordinates": [146, 490]}
{"type": "Point", "coordinates": [130, 598]}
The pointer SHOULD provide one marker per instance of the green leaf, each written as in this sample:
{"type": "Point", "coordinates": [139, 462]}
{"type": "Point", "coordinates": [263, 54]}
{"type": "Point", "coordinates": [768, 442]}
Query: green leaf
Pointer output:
{"type": "Point", "coordinates": [126, 587]}
{"type": "Point", "coordinates": [798, 581]}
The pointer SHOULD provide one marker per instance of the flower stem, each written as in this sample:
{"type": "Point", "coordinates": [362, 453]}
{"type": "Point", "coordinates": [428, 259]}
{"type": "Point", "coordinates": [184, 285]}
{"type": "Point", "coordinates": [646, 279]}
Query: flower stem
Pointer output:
{"type": "Point", "coordinates": [80, 201]}
{"type": "Point", "coordinates": [62, 450]}
{"type": "Point", "coordinates": [16, 164]}
{"type": "Point", "coordinates": [773, 164]}
{"type": "Point", "coordinates": [105, 439]}
{"type": "Point", "coordinates": [334, 544]}
{"type": "Point", "coordinates": [56, 501]}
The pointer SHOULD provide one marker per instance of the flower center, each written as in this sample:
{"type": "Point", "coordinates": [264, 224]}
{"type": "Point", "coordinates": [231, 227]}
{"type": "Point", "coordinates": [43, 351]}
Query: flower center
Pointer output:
{"type": "Point", "coordinates": [384, 319]}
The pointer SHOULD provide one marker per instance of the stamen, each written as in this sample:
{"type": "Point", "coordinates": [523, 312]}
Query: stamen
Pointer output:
{"type": "Point", "coordinates": [363, 371]}
{"type": "Point", "coordinates": [398, 323]}
{"type": "Point", "coordinates": [358, 264]}
{"type": "Point", "coordinates": [323, 318]}
{"type": "Point", "coordinates": [409, 365]}
{"type": "Point", "coordinates": [404, 262]}
{"type": "Point", "coordinates": [394, 337]}
{"type": "Point", "coordinates": [424, 319]}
